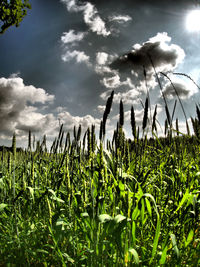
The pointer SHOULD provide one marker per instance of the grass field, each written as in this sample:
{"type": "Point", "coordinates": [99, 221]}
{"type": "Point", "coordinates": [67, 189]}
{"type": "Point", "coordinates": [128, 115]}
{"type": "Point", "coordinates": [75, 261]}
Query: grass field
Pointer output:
{"type": "Point", "coordinates": [96, 202]}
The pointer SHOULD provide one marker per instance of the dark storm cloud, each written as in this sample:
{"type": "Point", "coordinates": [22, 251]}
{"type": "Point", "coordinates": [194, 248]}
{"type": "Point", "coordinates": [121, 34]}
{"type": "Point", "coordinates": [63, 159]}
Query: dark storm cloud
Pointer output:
{"type": "Point", "coordinates": [165, 56]}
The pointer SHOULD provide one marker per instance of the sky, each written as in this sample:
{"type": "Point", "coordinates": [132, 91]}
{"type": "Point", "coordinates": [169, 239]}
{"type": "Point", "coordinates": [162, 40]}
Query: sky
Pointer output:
{"type": "Point", "coordinates": [61, 64]}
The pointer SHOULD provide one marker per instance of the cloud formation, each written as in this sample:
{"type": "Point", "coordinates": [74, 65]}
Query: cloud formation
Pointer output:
{"type": "Point", "coordinates": [94, 21]}
{"type": "Point", "coordinates": [16, 99]}
{"type": "Point", "coordinates": [126, 73]}
{"type": "Point", "coordinates": [69, 121]}
{"type": "Point", "coordinates": [90, 16]}
{"type": "Point", "coordinates": [71, 37]}
{"type": "Point", "coordinates": [184, 89]}
{"type": "Point", "coordinates": [24, 107]}
{"type": "Point", "coordinates": [101, 58]}
{"type": "Point", "coordinates": [78, 56]}
{"type": "Point", "coordinates": [120, 18]}
{"type": "Point", "coordinates": [165, 56]}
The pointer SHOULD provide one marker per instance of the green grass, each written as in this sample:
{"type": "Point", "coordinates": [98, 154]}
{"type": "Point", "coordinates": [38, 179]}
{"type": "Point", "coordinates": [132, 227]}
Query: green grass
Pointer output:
{"type": "Point", "coordinates": [127, 203]}
{"type": "Point", "coordinates": [134, 203]}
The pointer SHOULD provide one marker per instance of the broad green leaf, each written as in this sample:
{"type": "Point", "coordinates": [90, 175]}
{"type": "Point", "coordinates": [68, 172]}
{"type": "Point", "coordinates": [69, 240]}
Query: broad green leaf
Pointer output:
{"type": "Point", "coordinates": [65, 255]}
{"type": "Point", "coordinates": [163, 256]}
{"type": "Point", "coordinates": [42, 251]}
{"type": "Point", "coordinates": [84, 214]}
{"type": "Point", "coordinates": [135, 255]}
{"type": "Point", "coordinates": [152, 198]}
{"type": "Point", "coordinates": [135, 213]}
{"type": "Point", "coordinates": [60, 222]}
{"type": "Point", "coordinates": [184, 199]}
{"type": "Point", "coordinates": [148, 206]}
{"type": "Point", "coordinates": [57, 199]}
{"type": "Point", "coordinates": [142, 210]}
{"type": "Point", "coordinates": [121, 186]}
{"type": "Point", "coordinates": [51, 191]}
{"type": "Point", "coordinates": [175, 248]}
{"type": "Point", "coordinates": [31, 189]}
{"type": "Point", "coordinates": [126, 175]}
{"type": "Point", "coordinates": [104, 218]}
{"type": "Point", "coordinates": [133, 232]}
{"type": "Point", "coordinates": [119, 218]}
{"type": "Point", "coordinates": [197, 174]}
{"type": "Point", "coordinates": [156, 238]}
{"type": "Point", "coordinates": [110, 193]}
{"type": "Point", "coordinates": [1, 182]}
{"type": "Point", "coordinates": [189, 238]}
{"type": "Point", "coordinates": [2, 206]}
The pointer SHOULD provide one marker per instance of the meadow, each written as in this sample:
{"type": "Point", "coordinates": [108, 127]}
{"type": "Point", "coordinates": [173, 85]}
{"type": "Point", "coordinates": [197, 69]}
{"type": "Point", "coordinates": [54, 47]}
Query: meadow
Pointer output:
{"type": "Point", "coordinates": [95, 202]}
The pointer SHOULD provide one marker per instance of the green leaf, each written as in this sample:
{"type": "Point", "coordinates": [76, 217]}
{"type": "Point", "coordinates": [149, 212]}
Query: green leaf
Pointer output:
{"type": "Point", "coordinates": [156, 238]}
{"type": "Point", "coordinates": [2, 206]}
{"type": "Point", "coordinates": [163, 256]}
{"type": "Point", "coordinates": [42, 251]}
{"type": "Point", "coordinates": [119, 218]}
{"type": "Point", "coordinates": [104, 218]}
{"type": "Point", "coordinates": [176, 250]}
{"type": "Point", "coordinates": [84, 215]}
{"type": "Point", "coordinates": [135, 255]}
{"type": "Point", "coordinates": [184, 199]}
{"type": "Point", "coordinates": [152, 198]}
{"type": "Point", "coordinates": [148, 206]}
{"type": "Point", "coordinates": [31, 189]}
{"type": "Point", "coordinates": [65, 255]}
{"type": "Point", "coordinates": [61, 222]}
{"type": "Point", "coordinates": [57, 199]}
{"type": "Point", "coordinates": [110, 193]}
{"type": "Point", "coordinates": [189, 238]}
{"type": "Point", "coordinates": [197, 174]}
{"type": "Point", "coordinates": [121, 186]}
{"type": "Point", "coordinates": [133, 232]}
{"type": "Point", "coordinates": [135, 213]}
{"type": "Point", "coordinates": [51, 191]}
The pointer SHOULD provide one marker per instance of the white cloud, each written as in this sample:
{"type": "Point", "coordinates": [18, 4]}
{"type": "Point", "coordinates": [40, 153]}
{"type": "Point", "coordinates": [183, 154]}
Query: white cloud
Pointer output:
{"type": "Point", "coordinates": [15, 100]}
{"type": "Point", "coordinates": [111, 82]}
{"type": "Point", "coordinates": [72, 6]}
{"type": "Point", "coordinates": [71, 37]}
{"type": "Point", "coordinates": [101, 108]}
{"type": "Point", "coordinates": [101, 58]}
{"type": "Point", "coordinates": [184, 88]}
{"type": "Point", "coordinates": [17, 113]}
{"type": "Point", "coordinates": [120, 18]}
{"type": "Point", "coordinates": [14, 89]}
{"type": "Point", "coordinates": [130, 97]}
{"type": "Point", "coordinates": [102, 63]}
{"type": "Point", "coordinates": [93, 20]}
{"type": "Point", "coordinates": [102, 69]}
{"type": "Point", "coordinates": [69, 121]}
{"type": "Point", "coordinates": [31, 119]}
{"type": "Point", "coordinates": [90, 16]}
{"type": "Point", "coordinates": [79, 56]}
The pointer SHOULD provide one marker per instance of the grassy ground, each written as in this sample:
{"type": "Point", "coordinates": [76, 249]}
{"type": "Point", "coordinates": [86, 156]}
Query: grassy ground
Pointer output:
{"type": "Point", "coordinates": [127, 204]}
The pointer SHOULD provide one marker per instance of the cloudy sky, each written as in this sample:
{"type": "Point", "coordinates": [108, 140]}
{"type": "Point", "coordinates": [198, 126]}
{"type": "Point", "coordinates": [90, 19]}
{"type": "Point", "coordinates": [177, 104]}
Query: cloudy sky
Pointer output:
{"type": "Point", "coordinates": [67, 56]}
